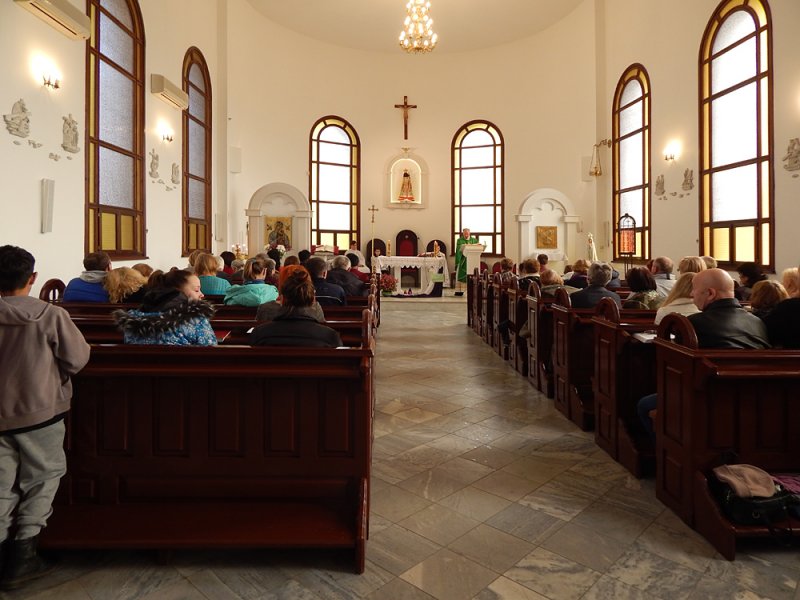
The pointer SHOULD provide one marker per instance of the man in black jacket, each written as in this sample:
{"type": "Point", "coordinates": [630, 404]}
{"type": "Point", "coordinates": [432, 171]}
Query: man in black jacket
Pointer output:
{"type": "Point", "coordinates": [722, 323]}
{"type": "Point", "coordinates": [599, 275]}
{"type": "Point", "coordinates": [328, 294]}
{"type": "Point", "coordinates": [340, 275]}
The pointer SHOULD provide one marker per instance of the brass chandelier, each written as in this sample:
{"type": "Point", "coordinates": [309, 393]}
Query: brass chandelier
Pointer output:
{"type": "Point", "coordinates": [417, 35]}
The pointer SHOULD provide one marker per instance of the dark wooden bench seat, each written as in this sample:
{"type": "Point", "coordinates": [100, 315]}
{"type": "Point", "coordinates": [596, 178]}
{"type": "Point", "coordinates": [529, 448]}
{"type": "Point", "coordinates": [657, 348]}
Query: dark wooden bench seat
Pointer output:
{"type": "Point", "coordinates": [624, 372]}
{"type": "Point", "coordinates": [226, 447]}
{"type": "Point", "coordinates": [713, 403]}
{"type": "Point", "coordinates": [573, 356]}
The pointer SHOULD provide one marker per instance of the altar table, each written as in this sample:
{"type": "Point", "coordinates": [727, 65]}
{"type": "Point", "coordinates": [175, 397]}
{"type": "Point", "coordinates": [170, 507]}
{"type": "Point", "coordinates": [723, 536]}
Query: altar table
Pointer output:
{"type": "Point", "coordinates": [427, 265]}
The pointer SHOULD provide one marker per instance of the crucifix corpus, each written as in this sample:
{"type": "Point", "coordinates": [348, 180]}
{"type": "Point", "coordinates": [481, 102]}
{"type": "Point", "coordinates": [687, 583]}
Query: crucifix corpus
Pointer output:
{"type": "Point", "coordinates": [405, 106]}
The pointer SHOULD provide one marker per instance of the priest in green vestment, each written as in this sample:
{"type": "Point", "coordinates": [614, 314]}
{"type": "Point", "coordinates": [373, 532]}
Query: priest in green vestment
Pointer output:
{"type": "Point", "coordinates": [461, 260]}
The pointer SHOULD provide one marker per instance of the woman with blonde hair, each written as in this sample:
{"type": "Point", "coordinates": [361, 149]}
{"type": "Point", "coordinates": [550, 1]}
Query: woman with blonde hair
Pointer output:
{"type": "Point", "coordinates": [791, 281]}
{"type": "Point", "coordinates": [766, 296]}
{"type": "Point", "coordinates": [691, 264]}
{"type": "Point", "coordinates": [206, 267]}
{"type": "Point", "coordinates": [124, 284]}
{"type": "Point", "coordinates": [679, 299]}
{"type": "Point", "coordinates": [143, 268]}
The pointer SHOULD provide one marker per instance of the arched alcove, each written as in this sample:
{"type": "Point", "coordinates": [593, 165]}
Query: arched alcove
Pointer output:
{"type": "Point", "coordinates": [278, 200]}
{"type": "Point", "coordinates": [547, 207]}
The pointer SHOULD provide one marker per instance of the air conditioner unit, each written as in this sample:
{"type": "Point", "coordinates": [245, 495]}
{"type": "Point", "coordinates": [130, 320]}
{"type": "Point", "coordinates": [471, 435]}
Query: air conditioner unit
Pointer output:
{"type": "Point", "coordinates": [61, 15]}
{"type": "Point", "coordinates": [169, 92]}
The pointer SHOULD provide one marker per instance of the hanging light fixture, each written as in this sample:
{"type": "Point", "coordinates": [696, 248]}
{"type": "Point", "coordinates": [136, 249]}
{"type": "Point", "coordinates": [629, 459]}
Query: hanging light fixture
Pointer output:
{"type": "Point", "coordinates": [417, 35]}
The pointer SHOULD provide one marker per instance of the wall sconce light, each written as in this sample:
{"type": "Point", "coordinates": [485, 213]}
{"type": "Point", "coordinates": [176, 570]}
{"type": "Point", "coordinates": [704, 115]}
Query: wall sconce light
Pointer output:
{"type": "Point", "coordinates": [167, 137]}
{"type": "Point", "coordinates": [672, 151]}
{"type": "Point", "coordinates": [51, 82]}
{"type": "Point", "coordinates": [595, 168]}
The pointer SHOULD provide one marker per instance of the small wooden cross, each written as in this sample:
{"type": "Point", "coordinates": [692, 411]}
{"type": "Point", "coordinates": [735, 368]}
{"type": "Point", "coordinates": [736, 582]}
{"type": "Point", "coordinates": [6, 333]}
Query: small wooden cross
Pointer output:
{"type": "Point", "coordinates": [405, 106]}
{"type": "Point", "coordinates": [373, 210]}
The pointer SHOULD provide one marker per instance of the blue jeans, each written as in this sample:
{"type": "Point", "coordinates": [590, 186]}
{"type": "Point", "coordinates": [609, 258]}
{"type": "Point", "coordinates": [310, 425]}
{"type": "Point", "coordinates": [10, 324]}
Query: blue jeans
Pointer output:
{"type": "Point", "coordinates": [644, 406]}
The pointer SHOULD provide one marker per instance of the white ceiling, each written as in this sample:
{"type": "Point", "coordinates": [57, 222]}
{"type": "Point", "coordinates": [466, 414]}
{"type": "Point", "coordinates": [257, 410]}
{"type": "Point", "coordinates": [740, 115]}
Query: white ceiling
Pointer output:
{"type": "Point", "coordinates": [375, 25]}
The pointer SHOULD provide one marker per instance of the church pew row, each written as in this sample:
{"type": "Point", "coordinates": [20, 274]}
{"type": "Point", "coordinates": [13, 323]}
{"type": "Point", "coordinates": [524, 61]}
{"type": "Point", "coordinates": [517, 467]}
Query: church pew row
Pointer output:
{"type": "Point", "coordinates": [573, 356]}
{"type": "Point", "coordinates": [716, 403]}
{"type": "Point", "coordinates": [103, 330]}
{"type": "Point", "coordinates": [624, 372]}
{"type": "Point", "coordinates": [242, 313]}
{"type": "Point", "coordinates": [223, 447]}
{"type": "Point", "coordinates": [499, 314]}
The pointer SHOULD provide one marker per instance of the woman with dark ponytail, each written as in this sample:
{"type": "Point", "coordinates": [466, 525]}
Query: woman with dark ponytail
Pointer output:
{"type": "Point", "coordinates": [172, 313]}
{"type": "Point", "coordinates": [297, 324]}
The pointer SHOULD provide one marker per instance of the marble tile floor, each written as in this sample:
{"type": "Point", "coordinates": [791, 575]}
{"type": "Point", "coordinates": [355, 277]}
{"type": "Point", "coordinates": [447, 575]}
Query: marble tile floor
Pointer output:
{"type": "Point", "coordinates": [480, 490]}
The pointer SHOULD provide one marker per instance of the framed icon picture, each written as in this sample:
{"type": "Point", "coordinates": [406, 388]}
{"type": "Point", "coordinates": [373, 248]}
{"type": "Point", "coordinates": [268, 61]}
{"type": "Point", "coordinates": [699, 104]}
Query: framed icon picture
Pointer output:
{"type": "Point", "coordinates": [547, 237]}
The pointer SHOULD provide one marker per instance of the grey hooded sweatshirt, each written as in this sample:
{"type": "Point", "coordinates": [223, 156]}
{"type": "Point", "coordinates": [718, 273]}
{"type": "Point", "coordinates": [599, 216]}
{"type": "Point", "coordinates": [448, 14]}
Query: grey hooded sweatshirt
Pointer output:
{"type": "Point", "coordinates": [40, 347]}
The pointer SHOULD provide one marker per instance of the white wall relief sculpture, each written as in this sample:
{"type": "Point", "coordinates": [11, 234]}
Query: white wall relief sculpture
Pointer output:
{"type": "Point", "coordinates": [176, 173]}
{"type": "Point", "coordinates": [153, 164]}
{"type": "Point", "coordinates": [70, 130]}
{"type": "Point", "coordinates": [660, 185]}
{"type": "Point", "coordinates": [792, 158]}
{"type": "Point", "coordinates": [688, 180]}
{"type": "Point", "coordinates": [19, 121]}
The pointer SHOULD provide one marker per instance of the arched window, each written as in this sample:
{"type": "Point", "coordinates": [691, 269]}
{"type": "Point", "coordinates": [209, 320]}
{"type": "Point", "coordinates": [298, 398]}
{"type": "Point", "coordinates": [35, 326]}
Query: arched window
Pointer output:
{"type": "Point", "coordinates": [335, 182]}
{"type": "Point", "coordinates": [115, 205]}
{"type": "Point", "coordinates": [477, 188]}
{"type": "Point", "coordinates": [196, 154]}
{"type": "Point", "coordinates": [736, 191]}
{"type": "Point", "coordinates": [631, 156]}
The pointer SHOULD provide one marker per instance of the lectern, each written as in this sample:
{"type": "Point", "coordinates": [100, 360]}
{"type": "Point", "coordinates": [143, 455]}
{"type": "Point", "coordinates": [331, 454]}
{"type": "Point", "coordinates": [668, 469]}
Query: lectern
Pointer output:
{"type": "Point", "coordinates": [473, 254]}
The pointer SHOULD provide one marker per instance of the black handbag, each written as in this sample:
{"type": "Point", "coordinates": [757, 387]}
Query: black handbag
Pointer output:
{"type": "Point", "coordinates": [756, 511]}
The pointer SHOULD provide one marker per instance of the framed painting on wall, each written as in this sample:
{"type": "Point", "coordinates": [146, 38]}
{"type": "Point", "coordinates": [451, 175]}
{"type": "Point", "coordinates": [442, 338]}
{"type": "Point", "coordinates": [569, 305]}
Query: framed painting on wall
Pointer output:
{"type": "Point", "coordinates": [278, 231]}
{"type": "Point", "coordinates": [547, 237]}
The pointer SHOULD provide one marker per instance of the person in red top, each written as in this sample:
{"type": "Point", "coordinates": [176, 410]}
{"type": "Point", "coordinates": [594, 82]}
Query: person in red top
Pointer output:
{"type": "Point", "coordinates": [354, 268]}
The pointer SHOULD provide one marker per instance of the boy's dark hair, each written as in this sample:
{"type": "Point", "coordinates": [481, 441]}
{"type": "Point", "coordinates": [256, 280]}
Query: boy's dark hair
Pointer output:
{"type": "Point", "coordinates": [353, 259]}
{"type": "Point", "coordinates": [303, 255]}
{"type": "Point", "coordinates": [228, 257]}
{"type": "Point", "coordinates": [16, 268]}
{"type": "Point", "coordinates": [96, 261]}
{"type": "Point", "coordinates": [275, 255]}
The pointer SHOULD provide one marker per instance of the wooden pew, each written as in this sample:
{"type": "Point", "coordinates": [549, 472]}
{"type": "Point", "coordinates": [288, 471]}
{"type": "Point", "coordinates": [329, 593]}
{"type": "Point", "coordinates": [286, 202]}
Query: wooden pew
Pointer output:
{"type": "Point", "coordinates": [487, 303]}
{"type": "Point", "coordinates": [225, 447]}
{"type": "Point", "coordinates": [573, 358]}
{"type": "Point", "coordinates": [477, 302]}
{"type": "Point", "coordinates": [471, 298]}
{"type": "Point", "coordinates": [540, 322]}
{"type": "Point", "coordinates": [499, 314]}
{"type": "Point", "coordinates": [517, 317]}
{"type": "Point", "coordinates": [103, 329]}
{"type": "Point", "coordinates": [624, 372]}
{"type": "Point", "coordinates": [715, 402]}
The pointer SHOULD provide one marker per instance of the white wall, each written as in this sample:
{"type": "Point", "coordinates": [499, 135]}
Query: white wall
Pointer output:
{"type": "Point", "coordinates": [280, 83]}
{"type": "Point", "coordinates": [665, 38]}
{"type": "Point", "coordinates": [23, 37]}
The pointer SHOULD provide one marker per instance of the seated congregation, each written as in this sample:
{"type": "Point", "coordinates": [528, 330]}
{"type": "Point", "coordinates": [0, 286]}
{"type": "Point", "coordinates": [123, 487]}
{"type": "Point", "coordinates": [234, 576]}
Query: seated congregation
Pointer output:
{"type": "Point", "coordinates": [658, 362]}
{"type": "Point", "coordinates": [153, 325]}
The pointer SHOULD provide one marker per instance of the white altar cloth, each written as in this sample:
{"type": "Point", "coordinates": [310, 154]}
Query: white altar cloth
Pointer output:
{"type": "Point", "coordinates": [427, 265]}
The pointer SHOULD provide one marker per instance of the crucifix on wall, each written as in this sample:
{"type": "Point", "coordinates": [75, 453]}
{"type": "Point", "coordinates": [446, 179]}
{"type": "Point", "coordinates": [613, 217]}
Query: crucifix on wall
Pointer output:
{"type": "Point", "coordinates": [405, 106]}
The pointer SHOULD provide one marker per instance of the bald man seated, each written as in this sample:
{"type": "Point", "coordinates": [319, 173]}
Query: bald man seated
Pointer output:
{"type": "Point", "coordinates": [722, 322]}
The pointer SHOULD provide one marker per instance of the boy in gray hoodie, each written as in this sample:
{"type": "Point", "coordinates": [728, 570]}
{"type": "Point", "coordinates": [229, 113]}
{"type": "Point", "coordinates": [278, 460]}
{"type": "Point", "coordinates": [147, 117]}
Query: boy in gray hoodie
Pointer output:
{"type": "Point", "coordinates": [40, 347]}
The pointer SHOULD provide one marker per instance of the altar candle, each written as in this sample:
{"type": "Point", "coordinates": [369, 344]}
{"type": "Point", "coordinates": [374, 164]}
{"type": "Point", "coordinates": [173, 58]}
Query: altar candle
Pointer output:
{"type": "Point", "coordinates": [388, 248]}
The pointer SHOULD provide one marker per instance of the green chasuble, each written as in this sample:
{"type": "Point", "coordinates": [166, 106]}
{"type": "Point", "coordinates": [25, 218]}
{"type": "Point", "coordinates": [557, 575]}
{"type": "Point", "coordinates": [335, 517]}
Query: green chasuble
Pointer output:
{"type": "Point", "coordinates": [461, 260]}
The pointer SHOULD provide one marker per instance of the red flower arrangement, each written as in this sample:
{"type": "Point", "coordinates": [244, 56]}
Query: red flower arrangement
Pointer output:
{"type": "Point", "coordinates": [387, 283]}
